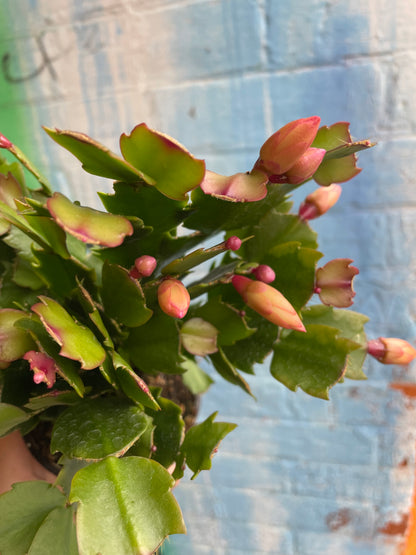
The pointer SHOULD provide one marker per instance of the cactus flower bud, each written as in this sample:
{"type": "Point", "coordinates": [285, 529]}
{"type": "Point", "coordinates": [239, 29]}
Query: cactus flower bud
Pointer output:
{"type": "Point", "coordinates": [319, 202]}
{"type": "Point", "coordinates": [305, 166]}
{"type": "Point", "coordinates": [233, 243]}
{"type": "Point", "coordinates": [173, 298]}
{"type": "Point", "coordinates": [391, 350]}
{"type": "Point", "coordinates": [43, 366]}
{"type": "Point", "coordinates": [333, 282]}
{"type": "Point", "coordinates": [4, 142]}
{"type": "Point", "coordinates": [283, 149]}
{"type": "Point", "coordinates": [264, 273]}
{"type": "Point", "coordinates": [144, 266]}
{"type": "Point", "coordinates": [268, 302]}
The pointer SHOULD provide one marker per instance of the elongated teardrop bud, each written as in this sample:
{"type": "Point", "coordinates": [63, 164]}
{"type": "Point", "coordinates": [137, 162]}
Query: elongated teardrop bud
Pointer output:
{"type": "Point", "coordinates": [173, 298]}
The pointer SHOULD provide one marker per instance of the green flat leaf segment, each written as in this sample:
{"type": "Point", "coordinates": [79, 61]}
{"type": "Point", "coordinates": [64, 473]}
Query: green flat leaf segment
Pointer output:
{"type": "Point", "coordinates": [77, 342]}
{"type": "Point", "coordinates": [14, 342]}
{"type": "Point", "coordinates": [123, 297]}
{"type": "Point", "coordinates": [130, 496]}
{"type": "Point", "coordinates": [314, 361]}
{"type": "Point", "coordinates": [226, 369]}
{"type": "Point", "coordinates": [67, 368]}
{"type": "Point", "coordinates": [146, 203]}
{"type": "Point", "coordinates": [350, 325]}
{"type": "Point", "coordinates": [171, 168]}
{"type": "Point", "coordinates": [57, 534]}
{"type": "Point", "coordinates": [202, 440]}
{"type": "Point", "coordinates": [168, 433]}
{"type": "Point", "coordinates": [231, 325]}
{"type": "Point", "coordinates": [95, 158]}
{"type": "Point", "coordinates": [336, 140]}
{"type": "Point", "coordinates": [154, 347]}
{"type": "Point", "coordinates": [50, 232]}
{"type": "Point", "coordinates": [97, 428]}
{"type": "Point", "coordinates": [195, 379]}
{"type": "Point", "coordinates": [23, 511]}
{"type": "Point", "coordinates": [183, 264]}
{"type": "Point", "coordinates": [11, 417]}
{"type": "Point", "coordinates": [133, 385]}
{"type": "Point", "coordinates": [275, 229]}
{"type": "Point", "coordinates": [87, 224]}
{"type": "Point", "coordinates": [9, 191]}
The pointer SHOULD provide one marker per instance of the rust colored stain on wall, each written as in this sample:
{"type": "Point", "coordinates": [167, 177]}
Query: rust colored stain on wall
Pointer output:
{"type": "Point", "coordinates": [395, 528]}
{"type": "Point", "coordinates": [408, 389]}
{"type": "Point", "coordinates": [338, 519]}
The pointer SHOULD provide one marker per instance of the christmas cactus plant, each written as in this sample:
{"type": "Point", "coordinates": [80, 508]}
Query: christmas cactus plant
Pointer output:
{"type": "Point", "coordinates": [183, 265]}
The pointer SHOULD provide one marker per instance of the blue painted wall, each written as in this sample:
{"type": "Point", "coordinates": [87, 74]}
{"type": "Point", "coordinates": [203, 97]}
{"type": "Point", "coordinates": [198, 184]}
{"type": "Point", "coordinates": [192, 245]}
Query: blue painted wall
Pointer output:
{"type": "Point", "coordinates": [299, 476]}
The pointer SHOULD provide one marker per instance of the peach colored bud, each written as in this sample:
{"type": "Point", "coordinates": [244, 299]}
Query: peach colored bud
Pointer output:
{"type": "Point", "coordinates": [264, 273]}
{"type": "Point", "coordinates": [280, 152]}
{"type": "Point", "coordinates": [4, 142]}
{"type": "Point", "coordinates": [144, 266]}
{"type": "Point", "coordinates": [43, 366]}
{"type": "Point", "coordinates": [173, 298]}
{"type": "Point", "coordinates": [305, 166]}
{"type": "Point", "coordinates": [268, 302]}
{"type": "Point", "coordinates": [391, 350]}
{"type": "Point", "coordinates": [319, 202]}
{"type": "Point", "coordinates": [233, 243]}
{"type": "Point", "coordinates": [334, 282]}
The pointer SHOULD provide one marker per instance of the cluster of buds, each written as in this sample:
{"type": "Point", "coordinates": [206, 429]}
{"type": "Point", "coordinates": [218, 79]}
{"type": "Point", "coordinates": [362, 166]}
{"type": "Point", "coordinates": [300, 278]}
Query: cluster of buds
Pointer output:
{"type": "Point", "coordinates": [287, 156]}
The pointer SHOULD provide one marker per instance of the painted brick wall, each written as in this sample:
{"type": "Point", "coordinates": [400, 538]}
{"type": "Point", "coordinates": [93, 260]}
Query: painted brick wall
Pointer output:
{"type": "Point", "coordinates": [299, 476]}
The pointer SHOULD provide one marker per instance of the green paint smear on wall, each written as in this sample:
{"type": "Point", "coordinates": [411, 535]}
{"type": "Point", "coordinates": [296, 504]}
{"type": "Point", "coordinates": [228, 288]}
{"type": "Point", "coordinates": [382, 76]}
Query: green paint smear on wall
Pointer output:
{"type": "Point", "coordinates": [17, 115]}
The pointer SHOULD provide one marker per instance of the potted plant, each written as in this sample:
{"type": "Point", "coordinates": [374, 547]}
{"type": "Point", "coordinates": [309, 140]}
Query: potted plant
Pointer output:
{"type": "Point", "coordinates": [104, 313]}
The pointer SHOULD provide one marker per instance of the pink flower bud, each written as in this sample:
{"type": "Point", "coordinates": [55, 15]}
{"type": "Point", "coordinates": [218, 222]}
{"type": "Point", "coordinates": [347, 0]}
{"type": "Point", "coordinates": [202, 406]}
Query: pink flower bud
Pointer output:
{"type": "Point", "coordinates": [4, 142]}
{"type": "Point", "coordinates": [144, 266]}
{"type": "Point", "coordinates": [43, 366]}
{"type": "Point", "coordinates": [233, 243]}
{"type": "Point", "coordinates": [334, 282]}
{"type": "Point", "coordinates": [173, 298]}
{"type": "Point", "coordinates": [305, 166]}
{"type": "Point", "coordinates": [319, 202]}
{"type": "Point", "coordinates": [268, 302]}
{"type": "Point", "coordinates": [391, 350]}
{"type": "Point", "coordinates": [280, 152]}
{"type": "Point", "coordinates": [264, 273]}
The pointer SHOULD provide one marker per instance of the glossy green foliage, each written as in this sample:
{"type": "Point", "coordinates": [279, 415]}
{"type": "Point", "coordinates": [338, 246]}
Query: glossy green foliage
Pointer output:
{"type": "Point", "coordinates": [77, 342]}
{"type": "Point", "coordinates": [123, 297]}
{"type": "Point", "coordinates": [350, 325]}
{"type": "Point", "coordinates": [314, 361]}
{"type": "Point", "coordinates": [34, 520]}
{"type": "Point", "coordinates": [340, 161]}
{"type": "Point", "coordinates": [73, 300]}
{"type": "Point", "coordinates": [201, 443]}
{"type": "Point", "coordinates": [125, 506]}
{"type": "Point", "coordinates": [96, 428]}
{"type": "Point", "coordinates": [89, 225]}
{"type": "Point", "coordinates": [95, 158]}
{"type": "Point", "coordinates": [11, 417]}
{"type": "Point", "coordinates": [166, 164]}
